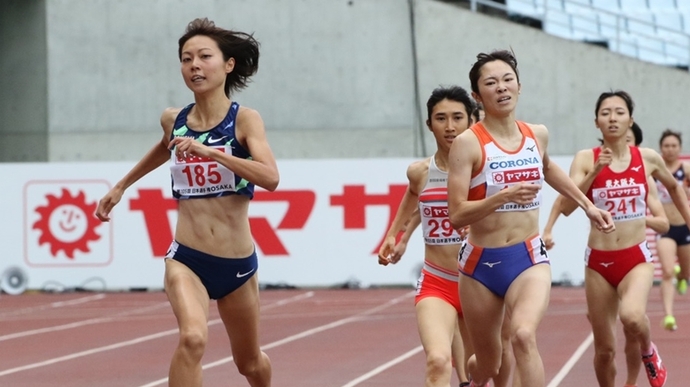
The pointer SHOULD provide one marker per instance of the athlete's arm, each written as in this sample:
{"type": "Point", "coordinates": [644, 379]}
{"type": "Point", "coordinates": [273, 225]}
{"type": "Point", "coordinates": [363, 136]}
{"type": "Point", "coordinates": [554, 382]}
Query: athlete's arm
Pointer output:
{"type": "Point", "coordinates": [658, 170]}
{"type": "Point", "coordinates": [658, 220]}
{"type": "Point", "coordinates": [400, 247]}
{"type": "Point", "coordinates": [582, 172]}
{"type": "Point", "coordinates": [557, 178]}
{"type": "Point", "coordinates": [686, 181]}
{"type": "Point", "coordinates": [407, 206]}
{"type": "Point", "coordinates": [153, 159]}
{"type": "Point", "coordinates": [547, 235]}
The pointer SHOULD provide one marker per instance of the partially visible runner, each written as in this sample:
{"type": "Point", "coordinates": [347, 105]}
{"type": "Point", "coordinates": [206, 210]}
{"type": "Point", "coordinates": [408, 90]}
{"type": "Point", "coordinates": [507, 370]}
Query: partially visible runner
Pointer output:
{"type": "Point", "coordinates": [218, 152]}
{"type": "Point", "coordinates": [619, 271]}
{"type": "Point", "coordinates": [461, 349]}
{"type": "Point", "coordinates": [437, 302]}
{"type": "Point", "coordinates": [676, 242]}
{"type": "Point", "coordinates": [496, 170]}
{"type": "Point", "coordinates": [656, 221]}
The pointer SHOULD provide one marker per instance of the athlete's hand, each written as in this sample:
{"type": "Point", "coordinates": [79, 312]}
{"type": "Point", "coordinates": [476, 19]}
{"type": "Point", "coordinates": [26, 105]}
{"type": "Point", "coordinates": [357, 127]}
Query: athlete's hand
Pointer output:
{"type": "Point", "coordinates": [547, 237]}
{"type": "Point", "coordinates": [398, 252]}
{"type": "Point", "coordinates": [605, 158]}
{"type": "Point", "coordinates": [187, 146]}
{"type": "Point", "coordinates": [106, 204]}
{"type": "Point", "coordinates": [602, 219]}
{"type": "Point", "coordinates": [522, 193]}
{"type": "Point", "coordinates": [464, 232]}
{"type": "Point", "coordinates": [386, 250]}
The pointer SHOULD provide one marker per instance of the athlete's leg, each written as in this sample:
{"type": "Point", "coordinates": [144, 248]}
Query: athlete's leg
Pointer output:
{"type": "Point", "coordinates": [436, 322]}
{"type": "Point", "coordinates": [483, 311]}
{"type": "Point", "coordinates": [633, 292]}
{"type": "Point", "coordinates": [632, 359]}
{"type": "Point", "coordinates": [666, 249]}
{"type": "Point", "coordinates": [602, 310]}
{"type": "Point", "coordinates": [507, 358]}
{"type": "Point", "coordinates": [189, 301]}
{"type": "Point", "coordinates": [526, 302]}
{"type": "Point", "coordinates": [458, 353]}
{"type": "Point", "coordinates": [684, 262]}
{"type": "Point", "coordinates": [239, 311]}
{"type": "Point", "coordinates": [466, 344]}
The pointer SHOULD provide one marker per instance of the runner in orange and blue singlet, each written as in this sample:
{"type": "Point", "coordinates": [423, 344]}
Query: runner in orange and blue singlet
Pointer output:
{"type": "Point", "coordinates": [495, 175]}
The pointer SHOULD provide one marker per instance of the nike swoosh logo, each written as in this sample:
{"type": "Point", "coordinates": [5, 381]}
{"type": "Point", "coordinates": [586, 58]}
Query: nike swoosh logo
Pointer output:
{"type": "Point", "coordinates": [240, 275]}
{"type": "Point", "coordinates": [215, 140]}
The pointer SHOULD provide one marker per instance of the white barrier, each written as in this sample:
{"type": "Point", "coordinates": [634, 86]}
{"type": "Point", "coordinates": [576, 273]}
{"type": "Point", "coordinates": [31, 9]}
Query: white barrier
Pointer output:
{"type": "Point", "coordinates": [322, 227]}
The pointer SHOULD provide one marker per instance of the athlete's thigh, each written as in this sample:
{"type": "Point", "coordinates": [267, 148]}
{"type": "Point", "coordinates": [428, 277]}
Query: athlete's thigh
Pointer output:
{"type": "Point", "coordinates": [528, 296]}
{"type": "Point", "coordinates": [666, 249]}
{"type": "Point", "coordinates": [634, 290]}
{"type": "Point", "coordinates": [436, 321]}
{"type": "Point", "coordinates": [239, 311]}
{"type": "Point", "coordinates": [187, 295]}
{"type": "Point", "coordinates": [602, 307]}
{"type": "Point", "coordinates": [684, 255]}
{"type": "Point", "coordinates": [483, 315]}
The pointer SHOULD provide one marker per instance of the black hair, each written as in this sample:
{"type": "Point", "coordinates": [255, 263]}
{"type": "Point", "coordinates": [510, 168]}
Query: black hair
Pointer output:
{"type": "Point", "coordinates": [233, 44]}
{"type": "Point", "coordinates": [484, 58]}
{"type": "Point", "coordinates": [452, 93]}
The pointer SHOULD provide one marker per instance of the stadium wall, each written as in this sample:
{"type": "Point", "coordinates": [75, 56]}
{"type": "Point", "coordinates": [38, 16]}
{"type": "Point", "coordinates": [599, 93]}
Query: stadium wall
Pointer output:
{"type": "Point", "coordinates": [87, 80]}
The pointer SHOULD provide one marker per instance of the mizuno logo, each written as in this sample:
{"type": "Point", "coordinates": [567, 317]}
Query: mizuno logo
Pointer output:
{"type": "Point", "coordinates": [531, 148]}
{"type": "Point", "coordinates": [215, 140]}
{"type": "Point", "coordinates": [606, 264]}
{"type": "Point", "coordinates": [491, 264]}
{"type": "Point", "coordinates": [637, 168]}
{"type": "Point", "coordinates": [240, 275]}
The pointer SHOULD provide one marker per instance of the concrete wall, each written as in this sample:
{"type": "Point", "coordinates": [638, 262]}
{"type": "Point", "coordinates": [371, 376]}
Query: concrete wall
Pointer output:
{"type": "Point", "coordinates": [334, 80]}
{"type": "Point", "coordinates": [23, 81]}
{"type": "Point", "coordinates": [336, 77]}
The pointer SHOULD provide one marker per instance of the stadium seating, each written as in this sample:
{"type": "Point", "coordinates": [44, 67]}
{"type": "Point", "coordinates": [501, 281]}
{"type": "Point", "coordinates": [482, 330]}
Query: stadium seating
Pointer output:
{"type": "Point", "coordinates": [656, 31]}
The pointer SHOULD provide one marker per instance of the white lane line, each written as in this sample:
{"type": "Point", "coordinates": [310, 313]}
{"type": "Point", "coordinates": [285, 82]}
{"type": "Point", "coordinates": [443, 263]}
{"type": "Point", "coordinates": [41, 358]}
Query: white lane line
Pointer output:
{"type": "Point", "coordinates": [82, 323]}
{"type": "Point", "coordinates": [301, 335]}
{"type": "Point", "coordinates": [133, 341]}
{"type": "Point", "coordinates": [383, 367]}
{"type": "Point", "coordinates": [57, 304]}
{"type": "Point", "coordinates": [556, 381]}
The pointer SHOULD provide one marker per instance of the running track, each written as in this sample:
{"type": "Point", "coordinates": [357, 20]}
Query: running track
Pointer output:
{"type": "Point", "coordinates": [319, 338]}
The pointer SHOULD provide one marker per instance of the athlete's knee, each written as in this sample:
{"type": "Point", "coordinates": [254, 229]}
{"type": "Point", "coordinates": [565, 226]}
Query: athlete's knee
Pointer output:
{"type": "Point", "coordinates": [251, 365]}
{"type": "Point", "coordinates": [488, 367]}
{"type": "Point", "coordinates": [668, 273]}
{"type": "Point", "coordinates": [523, 340]}
{"type": "Point", "coordinates": [604, 354]}
{"type": "Point", "coordinates": [634, 321]}
{"type": "Point", "coordinates": [438, 362]}
{"type": "Point", "coordinates": [193, 341]}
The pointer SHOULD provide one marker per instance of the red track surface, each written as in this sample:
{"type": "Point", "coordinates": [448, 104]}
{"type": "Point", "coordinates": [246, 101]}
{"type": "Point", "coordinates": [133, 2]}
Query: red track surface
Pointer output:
{"type": "Point", "coordinates": [319, 338]}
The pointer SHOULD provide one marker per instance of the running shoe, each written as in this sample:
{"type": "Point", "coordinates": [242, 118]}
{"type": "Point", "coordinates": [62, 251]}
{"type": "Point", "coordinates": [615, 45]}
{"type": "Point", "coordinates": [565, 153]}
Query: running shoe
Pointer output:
{"type": "Point", "coordinates": [682, 286]}
{"type": "Point", "coordinates": [465, 384]}
{"type": "Point", "coordinates": [669, 323]}
{"type": "Point", "coordinates": [655, 369]}
{"type": "Point", "coordinates": [474, 385]}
